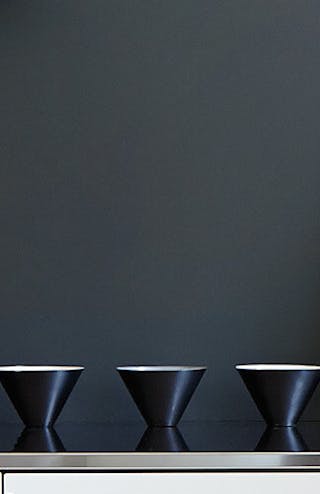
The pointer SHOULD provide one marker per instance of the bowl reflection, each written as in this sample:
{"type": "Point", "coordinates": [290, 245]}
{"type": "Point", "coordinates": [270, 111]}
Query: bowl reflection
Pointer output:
{"type": "Point", "coordinates": [281, 439]}
{"type": "Point", "coordinates": [165, 439]}
{"type": "Point", "coordinates": [38, 440]}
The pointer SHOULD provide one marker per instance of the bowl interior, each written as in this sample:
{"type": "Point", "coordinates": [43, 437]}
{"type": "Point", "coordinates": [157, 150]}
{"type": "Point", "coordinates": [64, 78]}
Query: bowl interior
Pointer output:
{"type": "Point", "coordinates": [277, 367]}
{"type": "Point", "coordinates": [38, 368]}
{"type": "Point", "coordinates": [160, 368]}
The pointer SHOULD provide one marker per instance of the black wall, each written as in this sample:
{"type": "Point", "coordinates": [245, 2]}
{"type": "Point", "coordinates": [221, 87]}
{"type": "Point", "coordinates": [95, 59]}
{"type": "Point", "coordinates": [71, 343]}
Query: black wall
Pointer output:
{"type": "Point", "coordinates": [159, 192]}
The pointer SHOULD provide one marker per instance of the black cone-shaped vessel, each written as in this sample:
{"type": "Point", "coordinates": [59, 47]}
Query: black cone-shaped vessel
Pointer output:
{"type": "Point", "coordinates": [39, 393]}
{"type": "Point", "coordinates": [280, 391]}
{"type": "Point", "coordinates": [161, 393]}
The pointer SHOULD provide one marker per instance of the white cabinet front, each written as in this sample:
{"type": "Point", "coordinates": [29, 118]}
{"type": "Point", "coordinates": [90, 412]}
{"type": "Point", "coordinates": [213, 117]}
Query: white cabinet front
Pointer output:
{"type": "Point", "coordinates": [161, 483]}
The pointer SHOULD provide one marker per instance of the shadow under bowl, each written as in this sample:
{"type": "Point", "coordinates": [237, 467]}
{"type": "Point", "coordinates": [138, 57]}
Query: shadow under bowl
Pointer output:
{"type": "Point", "coordinates": [161, 393]}
{"type": "Point", "coordinates": [280, 391]}
{"type": "Point", "coordinates": [39, 393]}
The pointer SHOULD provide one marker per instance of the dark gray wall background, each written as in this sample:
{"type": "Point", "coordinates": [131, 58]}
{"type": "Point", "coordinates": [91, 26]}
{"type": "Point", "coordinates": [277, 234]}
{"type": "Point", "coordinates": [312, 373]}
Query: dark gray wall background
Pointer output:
{"type": "Point", "coordinates": [159, 192]}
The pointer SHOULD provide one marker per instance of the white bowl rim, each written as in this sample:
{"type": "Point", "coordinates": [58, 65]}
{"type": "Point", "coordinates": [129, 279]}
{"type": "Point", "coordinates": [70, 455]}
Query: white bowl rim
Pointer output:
{"type": "Point", "coordinates": [160, 368]}
{"type": "Point", "coordinates": [277, 367]}
{"type": "Point", "coordinates": [39, 368]}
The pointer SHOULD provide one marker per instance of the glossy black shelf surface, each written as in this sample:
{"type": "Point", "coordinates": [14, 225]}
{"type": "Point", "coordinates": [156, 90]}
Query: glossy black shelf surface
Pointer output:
{"type": "Point", "coordinates": [189, 437]}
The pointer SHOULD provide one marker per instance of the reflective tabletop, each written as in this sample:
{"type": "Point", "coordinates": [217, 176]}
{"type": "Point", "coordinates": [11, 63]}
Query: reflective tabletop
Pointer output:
{"type": "Point", "coordinates": [192, 446]}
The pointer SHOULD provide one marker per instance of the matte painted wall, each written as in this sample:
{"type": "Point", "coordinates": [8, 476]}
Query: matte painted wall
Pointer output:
{"type": "Point", "coordinates": [159, 192]}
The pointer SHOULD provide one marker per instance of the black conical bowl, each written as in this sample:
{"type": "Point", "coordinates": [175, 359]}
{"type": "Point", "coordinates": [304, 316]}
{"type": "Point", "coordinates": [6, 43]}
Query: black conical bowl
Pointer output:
{"type": "Point", "coordinates": [161, 393]}
{"type": "Point", "coordinates": [39, 393]}
{"type": "Point", "coordinates": [280, 391]}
